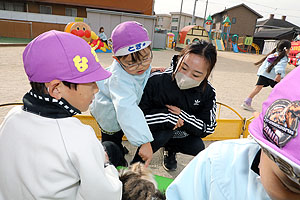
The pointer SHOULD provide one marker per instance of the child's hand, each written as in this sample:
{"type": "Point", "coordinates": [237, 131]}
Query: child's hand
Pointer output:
{"type": "Point", "coordinates": [154, 69]}
{"type": "Point", "coordinates": [179, 124]}
{"type": "Point", "coordinates": [146, 153]}
{"type": "Point", "coordinates": [277, 78]}
{"type": "Point", "coordinates": [173, 109]}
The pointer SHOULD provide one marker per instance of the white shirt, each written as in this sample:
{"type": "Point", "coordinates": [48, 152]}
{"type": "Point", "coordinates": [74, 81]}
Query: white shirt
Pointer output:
{"type": "Point", "coordinates": [45, 158]}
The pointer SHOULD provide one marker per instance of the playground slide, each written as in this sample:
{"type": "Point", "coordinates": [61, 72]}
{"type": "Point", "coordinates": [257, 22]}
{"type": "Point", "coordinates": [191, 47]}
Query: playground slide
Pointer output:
{"type": "Point", "coordinates": [235, 48]}
{"type": "Point", "coordinates": [219, 45]}
{"type": "Point", "coordinates": [241, 49]}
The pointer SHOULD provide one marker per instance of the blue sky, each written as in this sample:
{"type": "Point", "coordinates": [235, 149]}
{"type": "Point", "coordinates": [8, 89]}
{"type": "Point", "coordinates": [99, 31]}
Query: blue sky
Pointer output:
{"type": "Point", "coordinates": [289, 8]}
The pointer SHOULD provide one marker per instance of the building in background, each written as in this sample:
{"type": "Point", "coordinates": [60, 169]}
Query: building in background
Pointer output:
{"type": "Point", "coordinates": [170, 21]}
{"type": "Point", "coordinates": [163, 22]}
{"type": "Point", "coordinates": [268, 32]}
{"type": "Point", "coordinates": [243, 20]}
{"type": "Point", "coordinates": [27, 19]}
{"type": "Point", "coordinates": [273, 23]}
{"type": "Point", "coordinates": [186, 19]}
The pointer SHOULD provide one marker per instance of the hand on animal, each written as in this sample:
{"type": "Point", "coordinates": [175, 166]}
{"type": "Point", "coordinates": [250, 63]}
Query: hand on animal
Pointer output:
{"type": "Point", "coordinates": [146, 153]}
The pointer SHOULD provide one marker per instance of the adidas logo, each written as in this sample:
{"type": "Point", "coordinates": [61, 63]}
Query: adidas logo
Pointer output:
{"type": "Point", "coordinates": [196, 103]}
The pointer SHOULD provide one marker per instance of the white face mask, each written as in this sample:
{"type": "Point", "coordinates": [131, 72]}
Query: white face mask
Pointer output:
{"type": "Point", "coordinates": [184, 82]}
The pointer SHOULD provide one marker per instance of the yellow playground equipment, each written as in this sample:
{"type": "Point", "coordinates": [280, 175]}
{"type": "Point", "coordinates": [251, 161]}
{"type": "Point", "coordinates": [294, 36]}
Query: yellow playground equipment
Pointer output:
{"type": "Point", "coordinates": [256, 47]}
{"type": "Point", "coordinates": [226, 128]}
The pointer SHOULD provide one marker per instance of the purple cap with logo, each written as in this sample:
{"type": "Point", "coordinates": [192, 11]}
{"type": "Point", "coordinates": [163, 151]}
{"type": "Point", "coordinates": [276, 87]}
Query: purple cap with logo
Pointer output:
{"type": "Point", "coordinates": [56, 55]}
{"type": "Point", "coordinates": [129, 37]}
{"type": "Point", "coordinates": [276, 129]}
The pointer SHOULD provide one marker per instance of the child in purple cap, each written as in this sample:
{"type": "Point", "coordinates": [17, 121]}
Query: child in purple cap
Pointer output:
{"type": "Point", "coordinates": [264, 166]}
{"type": "Point", "coordinates": [116, 104]}
{"type": "Point", "coordinates": [271, 71]}
{"type": "Point", "coordinates": [45, 153]}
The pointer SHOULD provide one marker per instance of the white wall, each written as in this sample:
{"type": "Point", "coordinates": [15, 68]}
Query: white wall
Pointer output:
{"type": "Point", "coordinates": [110, 19]}
{"type": "Point", "coordinates": [35, 17]}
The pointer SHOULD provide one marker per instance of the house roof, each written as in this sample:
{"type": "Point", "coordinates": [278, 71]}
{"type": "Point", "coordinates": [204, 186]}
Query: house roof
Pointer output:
{"type": "Point", "coordinates": [225, 10]}
{"type": "Point", "coordinates": [276, 33]}
{"type": "Point", "coordinates": [275, 23]}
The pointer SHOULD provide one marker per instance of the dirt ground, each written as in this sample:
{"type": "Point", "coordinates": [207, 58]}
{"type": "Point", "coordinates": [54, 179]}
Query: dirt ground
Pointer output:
{"type": "Point", "coordinates": [233, 78]}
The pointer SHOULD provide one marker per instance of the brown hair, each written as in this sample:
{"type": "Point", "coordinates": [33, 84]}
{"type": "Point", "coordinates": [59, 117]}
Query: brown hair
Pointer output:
{"type": "Point", "coordinates": [101, 28]}
{"type": "Point", "coordinates": [281, 48]}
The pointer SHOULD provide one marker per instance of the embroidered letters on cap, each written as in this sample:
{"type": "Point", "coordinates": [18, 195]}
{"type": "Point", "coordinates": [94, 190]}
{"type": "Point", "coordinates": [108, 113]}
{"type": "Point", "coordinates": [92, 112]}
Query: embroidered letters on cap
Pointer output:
{"type": "Point", "coordinates": [80, 63]}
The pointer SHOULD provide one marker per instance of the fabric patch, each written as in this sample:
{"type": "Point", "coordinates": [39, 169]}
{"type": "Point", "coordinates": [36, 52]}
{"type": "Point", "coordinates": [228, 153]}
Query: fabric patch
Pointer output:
{"type": "Point", "coordinates": [281, 122]}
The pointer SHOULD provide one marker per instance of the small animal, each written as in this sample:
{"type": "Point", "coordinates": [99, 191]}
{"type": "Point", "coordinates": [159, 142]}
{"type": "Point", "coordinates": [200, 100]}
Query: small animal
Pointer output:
{"type": "Point", "coordinates": [139, 184]}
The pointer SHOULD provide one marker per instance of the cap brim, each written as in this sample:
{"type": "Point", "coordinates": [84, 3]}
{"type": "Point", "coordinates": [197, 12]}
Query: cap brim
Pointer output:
{"type": "Point", "coordinates": [97, 75]}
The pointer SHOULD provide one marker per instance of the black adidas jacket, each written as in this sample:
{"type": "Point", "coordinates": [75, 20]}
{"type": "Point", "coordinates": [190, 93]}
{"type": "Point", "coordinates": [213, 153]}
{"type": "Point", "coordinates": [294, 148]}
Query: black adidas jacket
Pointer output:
{"type": "Point", "coordinates": [198, 107]}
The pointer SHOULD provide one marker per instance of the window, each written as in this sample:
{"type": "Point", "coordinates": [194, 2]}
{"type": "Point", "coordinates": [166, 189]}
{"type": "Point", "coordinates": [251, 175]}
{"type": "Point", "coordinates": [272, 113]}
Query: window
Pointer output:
{"type": "Point", "coordinates": [12, 6]}
{"type": "Point", "coordinates": [71, 12]}
{"type": "Point", "coordinates": [174, 28]}
{"type": "Point", "coordinates": [233, 20]}
{"type": "Point", "coordinates": [160, 19]}
{"type": "Point", "coordinates": [9, 6]}
{"type": "Point", "coordinates": [174, 19]}
{"type": "Point", "coordinates": [45, 9]}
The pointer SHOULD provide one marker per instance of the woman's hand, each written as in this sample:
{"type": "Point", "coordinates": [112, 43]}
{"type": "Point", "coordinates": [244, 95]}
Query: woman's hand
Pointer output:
{"type": "Point", "coordinates": [179, 124]}
{"type": "Point", "coordinates": [173, 109]}
{"type": "Point", "coordinates": [154, 69]}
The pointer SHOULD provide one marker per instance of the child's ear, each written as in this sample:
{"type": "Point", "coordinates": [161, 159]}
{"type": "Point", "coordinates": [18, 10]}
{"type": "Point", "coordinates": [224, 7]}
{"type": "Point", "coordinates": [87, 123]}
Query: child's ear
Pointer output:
{"type": "Point", "coordinates": [54, 89]}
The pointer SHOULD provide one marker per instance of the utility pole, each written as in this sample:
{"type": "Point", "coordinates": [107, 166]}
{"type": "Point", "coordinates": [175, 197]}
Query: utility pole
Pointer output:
{"type": "Point", "coordinates": [178, 29]}
{"type": "Point", "coordinates": [205, 12]}
{"type": "Point", "coordinates": [193, 17]}
{"type": "Point", "coordinates": [180, 17]}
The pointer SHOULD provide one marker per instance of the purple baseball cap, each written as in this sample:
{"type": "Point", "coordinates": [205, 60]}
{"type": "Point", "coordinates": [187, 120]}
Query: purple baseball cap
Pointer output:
{"type": "Point", "coordinates": [62, 56]}
{"type": "Point", "coordinates": [277, 127]}
{"type": "Point", "coordinates": [129, 37]}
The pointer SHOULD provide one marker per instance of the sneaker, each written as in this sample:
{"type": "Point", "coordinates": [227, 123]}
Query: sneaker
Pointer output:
{"type": "Point", "coordinates": [170, 163]}
{"type": "Point", "coordinates": [247, 107]}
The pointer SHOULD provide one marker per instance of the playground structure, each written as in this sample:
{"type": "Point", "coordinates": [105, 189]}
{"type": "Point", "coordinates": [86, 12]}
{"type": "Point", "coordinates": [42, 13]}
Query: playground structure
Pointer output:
{"type": "Point", "coordinates": [294, 55]}
{"type": "Point", "coordinates": [222, 40]}
{"type": "Point", "coordinates": [189, 34]}
{"type": "Point", "coordinates": [214, 36]}
{"type": "Point", "coordinates": [84, 31]}
{"type": "Point", "coordinates": [226, 26]}
{"type": "Point", "coordinates": [243, 44]}
{"type": "Point", "coordinates": [208, 22]}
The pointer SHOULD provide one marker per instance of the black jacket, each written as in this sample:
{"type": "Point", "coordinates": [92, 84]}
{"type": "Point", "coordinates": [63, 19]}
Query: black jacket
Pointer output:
{"type": "Point", "coordinates": [198, 106]}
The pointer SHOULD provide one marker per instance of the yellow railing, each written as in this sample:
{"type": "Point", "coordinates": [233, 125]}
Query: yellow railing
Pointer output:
{"type": "Point", "coordinates": [226, 128]}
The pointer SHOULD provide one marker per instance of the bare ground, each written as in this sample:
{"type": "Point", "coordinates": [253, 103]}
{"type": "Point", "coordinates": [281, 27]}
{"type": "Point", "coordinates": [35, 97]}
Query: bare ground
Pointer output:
{"type": "Point", "coordinates": [233, 78]}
